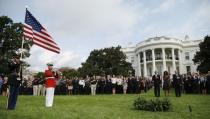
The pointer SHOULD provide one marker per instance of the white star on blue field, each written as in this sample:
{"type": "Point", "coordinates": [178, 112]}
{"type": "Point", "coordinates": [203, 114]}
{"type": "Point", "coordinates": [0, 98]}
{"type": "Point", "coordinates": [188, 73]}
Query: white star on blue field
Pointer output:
{"type": "Point", "coordinates": [79, 26]}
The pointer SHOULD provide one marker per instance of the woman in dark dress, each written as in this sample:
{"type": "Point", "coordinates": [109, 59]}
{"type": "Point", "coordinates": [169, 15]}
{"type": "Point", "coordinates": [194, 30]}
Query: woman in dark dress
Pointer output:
{"type": "Point", "coordinates": [166, 83]}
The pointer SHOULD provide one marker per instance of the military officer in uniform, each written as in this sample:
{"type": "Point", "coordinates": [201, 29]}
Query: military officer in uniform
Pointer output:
{"type": "Point", "coordinates": [50, 84]}
{"type": "Point", "coordinates": [14, 80]}
{"type": "Point", "coordinates": [157, 81]}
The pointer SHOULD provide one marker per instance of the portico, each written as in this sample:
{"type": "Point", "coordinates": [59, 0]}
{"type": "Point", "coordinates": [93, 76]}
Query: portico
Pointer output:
{"type": "Point", "coordinates": [159, 60]}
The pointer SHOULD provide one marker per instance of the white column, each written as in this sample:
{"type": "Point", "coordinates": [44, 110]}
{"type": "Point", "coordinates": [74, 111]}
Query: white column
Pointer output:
{"type": "Point", "coordinates": [136, 64]}
{"type": "Point", "coordinates": [173, 61]}
{"type": "Point", "coordinates": [153, 61]}
{"type": "Point", "coordinates": [139, 65]}
{"type": "Point", "coordinates": [164, 59]}
{"type": "Point", "coordinates": [180, 63]}
{"type": "Point", "coordinates": [145, 65]}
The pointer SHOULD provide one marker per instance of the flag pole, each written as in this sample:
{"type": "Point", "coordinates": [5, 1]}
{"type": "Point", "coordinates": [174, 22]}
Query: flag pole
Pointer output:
{"type": "Point", "coordinates": [21, 57]}
{"type": "Point", "coordinates": [21, 53]}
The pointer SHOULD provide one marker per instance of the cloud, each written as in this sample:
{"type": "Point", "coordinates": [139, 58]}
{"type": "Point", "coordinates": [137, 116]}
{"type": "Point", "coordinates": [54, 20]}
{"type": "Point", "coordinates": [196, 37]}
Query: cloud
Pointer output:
{"type": "Point", "coordinates": [87, 17]}
{"type": "Point", "coordinates": [182, 18]}
{"type": "Point", "coordinates": [165, 5]}
{"type": "Point", "coordinates": [197, 24]}
{"type": "Point", "coordinates": [40, 57]}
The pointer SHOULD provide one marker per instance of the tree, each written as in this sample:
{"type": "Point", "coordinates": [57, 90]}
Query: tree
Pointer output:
{"type": "Point", "coordinates": [107, 61]}
{"type": "Point", "coordinates": [40, 75]}
{"type": "Point", "coordinates": [69, 72]}
{"type": "Point", "coordinates": [202, 57]}
{"type": "Point", "coordinates": [11, 42]}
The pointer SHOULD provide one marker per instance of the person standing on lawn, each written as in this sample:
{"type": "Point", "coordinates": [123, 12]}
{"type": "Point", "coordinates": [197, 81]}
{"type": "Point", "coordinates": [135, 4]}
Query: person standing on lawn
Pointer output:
{"type": "Point", "coordinates": [157, 81]}
{"type": "Point", "coordinates": [50, 84]}
{"type": "Point", "coordinates": [14, 80]}
{"type": "Point", "coordinates": [166, 83]}
{"type": "Point", "coordinates": [177, 81]}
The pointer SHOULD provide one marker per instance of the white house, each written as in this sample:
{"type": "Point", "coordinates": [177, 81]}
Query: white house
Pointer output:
{"type": "Point", "coordinates": [162, 54]}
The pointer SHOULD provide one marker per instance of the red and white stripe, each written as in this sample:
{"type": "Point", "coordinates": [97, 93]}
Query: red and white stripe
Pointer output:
{"type": "Point", "coordinates": [42, 39]}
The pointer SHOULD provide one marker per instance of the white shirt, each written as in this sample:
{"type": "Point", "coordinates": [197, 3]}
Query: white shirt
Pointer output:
{"type": "Point", "coordinates": [119, 81]}
{"type": "Point", "coordinates": [114, 80]}
{"type": "Point", "coordinates": [82, 82]}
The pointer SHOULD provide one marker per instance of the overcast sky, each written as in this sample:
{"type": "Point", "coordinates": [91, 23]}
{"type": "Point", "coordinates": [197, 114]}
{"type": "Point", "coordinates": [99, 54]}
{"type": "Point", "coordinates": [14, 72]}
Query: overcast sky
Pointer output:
{"type": "Point", "coordinates": [79, 26]}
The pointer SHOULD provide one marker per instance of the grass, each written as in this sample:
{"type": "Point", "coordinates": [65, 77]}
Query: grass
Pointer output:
{"type": "Point", "coordinates": [104, 107]}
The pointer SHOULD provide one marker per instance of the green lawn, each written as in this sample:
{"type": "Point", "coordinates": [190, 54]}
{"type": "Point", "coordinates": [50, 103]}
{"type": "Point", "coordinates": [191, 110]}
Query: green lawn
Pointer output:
{"type": "Point", "coordinates": [104, 107]}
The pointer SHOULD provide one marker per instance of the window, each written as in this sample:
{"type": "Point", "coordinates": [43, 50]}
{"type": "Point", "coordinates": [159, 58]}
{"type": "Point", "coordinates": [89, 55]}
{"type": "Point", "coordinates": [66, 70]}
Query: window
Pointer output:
{"type": "Point", "coordinates": [159, 69]}
{"type": "Point", "coordinates": [177, 69]}
{"type": "Point", "coordinates": [149, 57]}
{"type": "Point", "coordinates": [158, 56]}
{"type": "Point", "coordinates": [187, 55]}
{"type": "Point", "coordinates": [132, 60]}
{"type": "Point", "coordinates": [168, 55]}
{"type": "Point", "coordinates": [150, 71]}
{"type": "Point", "coordinates": [142, 71]}
{"type": "Point", "coordinates": [176, 57]}
{"type": "Point", "coordinates": [141, 59]}
{"type": "Point", "coordinates": [188, 69]}
{"type": "Point", "coordinates": [169, 70]}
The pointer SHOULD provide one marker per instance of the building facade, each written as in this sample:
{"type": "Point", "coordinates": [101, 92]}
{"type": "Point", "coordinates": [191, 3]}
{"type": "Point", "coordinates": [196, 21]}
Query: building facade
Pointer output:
{"type": "Point", "coordinates": [162, 54]}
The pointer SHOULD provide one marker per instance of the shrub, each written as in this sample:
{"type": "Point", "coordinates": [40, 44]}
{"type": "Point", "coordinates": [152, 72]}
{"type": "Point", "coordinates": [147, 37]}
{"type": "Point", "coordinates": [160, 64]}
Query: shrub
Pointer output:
{"type": "Point", "coordinates": [166, 104]}
{"type": "Point", "coordinates": [139, 103]}
{"type": "Point", "coordinates": [153, 104]}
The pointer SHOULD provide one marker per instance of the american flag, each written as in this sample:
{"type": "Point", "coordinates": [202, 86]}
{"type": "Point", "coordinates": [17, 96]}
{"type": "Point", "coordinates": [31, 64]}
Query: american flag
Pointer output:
{"type": "Point", "coordinates": [34, 30]}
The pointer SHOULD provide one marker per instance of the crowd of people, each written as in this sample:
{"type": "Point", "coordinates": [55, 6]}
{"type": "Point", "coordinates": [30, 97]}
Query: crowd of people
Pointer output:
{"type": "Point", "coordinates": [88, 85]}
{"type": "Point", "coordinates": [188, 83]}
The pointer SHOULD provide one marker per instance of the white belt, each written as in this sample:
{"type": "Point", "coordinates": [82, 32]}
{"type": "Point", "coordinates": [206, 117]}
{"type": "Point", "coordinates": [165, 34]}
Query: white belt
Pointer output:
{"type": "Point", "coordinates": [49, 77]}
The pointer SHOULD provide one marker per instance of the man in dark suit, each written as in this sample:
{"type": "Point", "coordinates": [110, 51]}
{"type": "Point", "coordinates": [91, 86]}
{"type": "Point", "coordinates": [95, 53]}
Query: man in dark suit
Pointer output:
{"type": "Point", "coordinates": [13, 82]}
{"type": "Point", "coordinates": [75, 84]}
{"type": "Point", "coordinates": [157, 81]}
{"type": "Point", "coordinates": [208, 82]}
{"type": "Point", "coordinates": [177, 81]}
